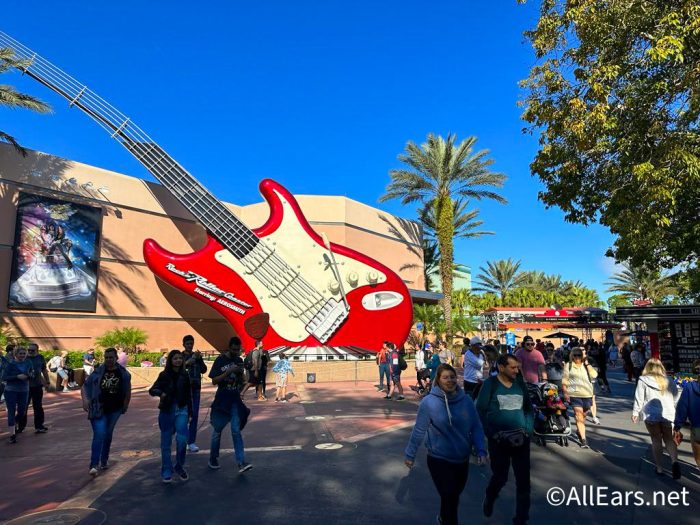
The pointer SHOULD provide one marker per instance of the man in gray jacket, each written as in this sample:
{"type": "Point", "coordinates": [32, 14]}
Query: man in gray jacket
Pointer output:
{"type": "Point", "coordinates": [106, 395]}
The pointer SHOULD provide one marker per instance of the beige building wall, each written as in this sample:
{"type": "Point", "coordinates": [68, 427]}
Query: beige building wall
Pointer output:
{"type": "Point", "coordinates": [133, 210]}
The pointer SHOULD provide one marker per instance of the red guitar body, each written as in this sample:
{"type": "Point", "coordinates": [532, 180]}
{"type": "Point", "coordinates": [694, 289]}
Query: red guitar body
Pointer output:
{"type": "Point", "coordinates": [364, 328]}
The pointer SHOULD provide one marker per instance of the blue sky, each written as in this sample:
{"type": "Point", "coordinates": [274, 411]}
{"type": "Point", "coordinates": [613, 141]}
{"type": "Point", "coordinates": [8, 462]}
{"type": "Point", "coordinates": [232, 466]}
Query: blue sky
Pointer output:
{"type": "Point", "coordinates": [319, 95]}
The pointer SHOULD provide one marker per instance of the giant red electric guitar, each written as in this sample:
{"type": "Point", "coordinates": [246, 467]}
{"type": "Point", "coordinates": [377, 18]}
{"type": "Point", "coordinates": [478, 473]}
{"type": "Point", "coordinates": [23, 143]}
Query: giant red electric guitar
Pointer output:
{"type": "Point", "coordinates": [283, 282]}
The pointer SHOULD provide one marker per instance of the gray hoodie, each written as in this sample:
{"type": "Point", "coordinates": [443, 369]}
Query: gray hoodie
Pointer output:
{"type": "Point", "coordinates": [655, 405]}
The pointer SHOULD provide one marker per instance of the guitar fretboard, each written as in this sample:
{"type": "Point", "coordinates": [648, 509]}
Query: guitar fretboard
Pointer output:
{"type": "Point", "coordinates": [206, 208]}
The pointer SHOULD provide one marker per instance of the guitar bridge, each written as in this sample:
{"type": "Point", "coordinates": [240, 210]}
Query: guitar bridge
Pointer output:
{"type": "Point", "coordinates": [327, 320]}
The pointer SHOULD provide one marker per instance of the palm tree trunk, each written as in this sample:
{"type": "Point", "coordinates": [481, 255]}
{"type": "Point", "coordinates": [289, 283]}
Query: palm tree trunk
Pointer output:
{"type": "Point", "coordinates": [445, 231]}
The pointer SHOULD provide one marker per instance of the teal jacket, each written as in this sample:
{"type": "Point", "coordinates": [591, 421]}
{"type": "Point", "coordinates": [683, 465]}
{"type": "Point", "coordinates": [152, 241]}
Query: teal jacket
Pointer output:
{"type": "Point", "coordinates": [485, 399]}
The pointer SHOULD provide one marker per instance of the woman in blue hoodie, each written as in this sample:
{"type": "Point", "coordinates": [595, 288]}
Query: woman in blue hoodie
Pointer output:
{"type": "Point", "coordinates": [688, 408]}
{"type": "Point", "coordinates": [452, 425]}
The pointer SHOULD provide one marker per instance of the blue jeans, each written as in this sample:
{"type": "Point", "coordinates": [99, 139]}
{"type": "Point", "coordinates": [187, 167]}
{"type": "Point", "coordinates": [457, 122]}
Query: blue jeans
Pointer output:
{"type": "Point", "coordinates": [102, 430]}
{"type": "Point", "coordinates": [192, 434]}
{"type": "Point", "coordinates": [172, 422]}
{"type": "Point", "coordinates": [384, 372]}
{"type": "Point", "coordinates": [17, 404]}
{"type": "Point", "coordinates": [219, 419]}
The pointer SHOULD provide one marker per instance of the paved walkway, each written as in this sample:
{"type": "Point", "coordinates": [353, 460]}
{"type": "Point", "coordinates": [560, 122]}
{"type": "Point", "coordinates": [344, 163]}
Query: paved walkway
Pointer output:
{"type": "Point", "coordinates": [300, 477]}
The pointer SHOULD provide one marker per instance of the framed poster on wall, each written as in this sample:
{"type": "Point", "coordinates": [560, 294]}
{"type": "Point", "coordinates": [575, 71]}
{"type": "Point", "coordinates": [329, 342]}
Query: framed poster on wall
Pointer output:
{"type": "Point", "coordinates": [56, 255]}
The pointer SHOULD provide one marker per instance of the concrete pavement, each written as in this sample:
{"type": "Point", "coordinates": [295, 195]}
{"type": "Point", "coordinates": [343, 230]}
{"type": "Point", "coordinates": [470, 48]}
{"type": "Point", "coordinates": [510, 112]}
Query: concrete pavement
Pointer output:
{"type": "Point", "coordinates": [293, 481]}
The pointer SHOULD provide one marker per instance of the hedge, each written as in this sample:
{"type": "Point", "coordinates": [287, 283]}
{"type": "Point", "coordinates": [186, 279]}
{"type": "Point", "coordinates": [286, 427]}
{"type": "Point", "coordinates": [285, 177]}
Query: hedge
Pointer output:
{"type": "Point", "coordinates": [74, 359]}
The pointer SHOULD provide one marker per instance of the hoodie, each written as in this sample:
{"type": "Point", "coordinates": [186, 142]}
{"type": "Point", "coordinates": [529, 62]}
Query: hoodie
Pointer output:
{"type": "Point", "coordinates": [688, 406]}
{"type": "Point", "coordinates": [654, 404]}
{"type": "Point", "coordinates": [452, 427]}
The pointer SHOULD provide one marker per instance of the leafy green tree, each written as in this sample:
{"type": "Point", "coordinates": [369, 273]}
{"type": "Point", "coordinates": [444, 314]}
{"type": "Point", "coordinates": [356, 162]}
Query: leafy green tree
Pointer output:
{"type": "Point", "coordinates": [617, 300]}
{"type": "Point", "coordinates": [615, 102]}
{"type": "Point", "coordinates": [479, 303]}
{"type": "Point", "coordinates": [439, 172]}
{"type": "Point", "coordinates": [499, 277]}
{"type": "Point", "coordinates": [127, 338]}
{"type": "Point", "coordinates": [11, 98]}
{"type": "Point", "coordinates": [640, 283]}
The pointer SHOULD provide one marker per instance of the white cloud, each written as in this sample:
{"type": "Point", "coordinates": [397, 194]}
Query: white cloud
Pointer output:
{"type": "Point", "coordinates": [609, 266]}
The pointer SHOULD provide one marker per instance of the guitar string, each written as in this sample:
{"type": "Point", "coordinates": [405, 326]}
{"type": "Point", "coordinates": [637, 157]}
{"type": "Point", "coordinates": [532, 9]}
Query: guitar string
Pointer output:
{"type": "Point", "coordinates": [137, 148]}
{"type": "Point", "coordinates": [86, 97]}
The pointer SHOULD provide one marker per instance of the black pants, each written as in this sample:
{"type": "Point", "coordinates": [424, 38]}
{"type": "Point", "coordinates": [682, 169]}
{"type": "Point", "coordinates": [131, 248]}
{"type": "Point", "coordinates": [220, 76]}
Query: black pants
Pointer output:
{"type": "Point", "coordinates": [502, 456]}
{"type": "Point", "coordinates": [263, 380]}
{"type": "Point", "coordinates": [36, 396]}
{"type": "Point", "coordinates": [449, 479]}
{"type": "Point", "coordinates": [472, 389]}
{"type": "Point", "coordinates": [603, 375]}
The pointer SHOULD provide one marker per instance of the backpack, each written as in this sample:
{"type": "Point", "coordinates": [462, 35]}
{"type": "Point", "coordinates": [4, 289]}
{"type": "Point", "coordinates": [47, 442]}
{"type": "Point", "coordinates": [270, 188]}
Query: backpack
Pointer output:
{"type": "Point", "coordinates": [403, 365]}
{"type": "Point", "coordinates": [54, 363]}
{"type": "Point", "coordinates": [248, 361]}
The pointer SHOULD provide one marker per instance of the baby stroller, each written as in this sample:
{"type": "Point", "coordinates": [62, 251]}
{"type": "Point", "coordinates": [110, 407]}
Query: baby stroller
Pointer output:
{"type": "Point", "coordinates": [551, 418]}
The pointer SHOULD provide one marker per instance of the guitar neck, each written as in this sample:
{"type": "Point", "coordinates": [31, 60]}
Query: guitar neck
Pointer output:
{"type": "Point", "coordinates": [206, 208]}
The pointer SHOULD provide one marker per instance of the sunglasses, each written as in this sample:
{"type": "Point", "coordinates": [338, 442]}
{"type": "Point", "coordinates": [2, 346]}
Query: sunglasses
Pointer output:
{"type": "Point", "coordinates": [529, 344]}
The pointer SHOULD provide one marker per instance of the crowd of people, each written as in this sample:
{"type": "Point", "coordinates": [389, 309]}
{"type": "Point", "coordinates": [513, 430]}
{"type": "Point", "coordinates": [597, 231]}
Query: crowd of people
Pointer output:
{"type": "Point", "coordinates": [493, 414]}
{"type": "Point", "coordinates": [489, 413]}
{"type": "Point", "coordinates": [106, 395]}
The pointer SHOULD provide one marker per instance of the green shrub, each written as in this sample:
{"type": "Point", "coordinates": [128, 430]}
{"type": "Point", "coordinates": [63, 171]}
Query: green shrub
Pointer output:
{"type": "Point", "coordinates": [74, 359]}
{"type": "Point", "coordinates": [127, 338]}
{"type": "Point", "coordinates": [136, 358]}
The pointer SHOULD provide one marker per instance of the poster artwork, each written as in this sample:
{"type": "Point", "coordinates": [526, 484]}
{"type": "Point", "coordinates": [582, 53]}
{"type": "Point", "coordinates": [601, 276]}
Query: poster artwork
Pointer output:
{"type": "Point", "coordinates": [55, 255]}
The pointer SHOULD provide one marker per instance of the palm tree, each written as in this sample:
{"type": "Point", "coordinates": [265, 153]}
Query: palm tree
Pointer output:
{"type": "Point", "coordinates": [460, 302]}
{"type": "Point", "coordinates": [428, 315]}
{"type": "Point", "coordinates": [11, 98]}
{"type": "Point", "coordinates": [641, 283]}
{"type": "Point", "coordinates": [581, 296]}
{"type": "Point", "coordinates": [499, 277]}
{"type": "Point", "coordinates": [465, 222]}
{"type": "Point", "coordinates": [440, 172]}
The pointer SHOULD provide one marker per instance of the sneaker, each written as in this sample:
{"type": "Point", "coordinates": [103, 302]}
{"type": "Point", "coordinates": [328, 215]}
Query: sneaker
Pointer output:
{"type": "Point", "coordinates": [13, 439]}
{"type": "Point", "coordinates": [387, 397]}
{"type": "Point", "coordinates": [400, 398]}
{"type": "Point", "coordinates": [18, 429]}
{"type": "Point", "coordinates": [487, 507]}
{"type": "Point", "coordinates": [167, 479]}
{"type": "Point", "coordinates": [182, 473]}
{"type": "Point", "coordinates": [676, 470]}
{"type": "Point", "coordinates": [66, 389]}
{"type": "Point", "coordinates": [41, 430]}
{"type": "Point", "coordinates": [584, 444]}
{"type": "Point", "coordinates": [94, 472]}
{"type": "Point", "coordinates": [104, 466]}
{"type": "Point", "coordinates": [244, 467]}
{"type": "Point", "coordinates": [192, 447]}
{"type": "Point", "coordinates": [283, 401]}
{"type": "Point", "coordinates": [214, 463]}
{"type": "Point", "coordinates": [595, 420]}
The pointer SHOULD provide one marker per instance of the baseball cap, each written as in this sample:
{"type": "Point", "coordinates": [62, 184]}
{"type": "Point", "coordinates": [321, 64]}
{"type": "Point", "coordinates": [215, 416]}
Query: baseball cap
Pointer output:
{"type": "Point", "coordinates": [476, 340]}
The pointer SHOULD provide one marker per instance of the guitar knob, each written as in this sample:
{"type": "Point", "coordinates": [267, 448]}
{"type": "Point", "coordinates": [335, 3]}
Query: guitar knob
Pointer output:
{"type": "Point", "coordinates": [372, 277]}
{"type": "Point", "coordinates": [352, 278]}
{"type": "Point", "coordinates": [333, 286]}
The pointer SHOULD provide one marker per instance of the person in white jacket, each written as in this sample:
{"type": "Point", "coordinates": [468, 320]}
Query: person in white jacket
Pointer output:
{"type": "Point", "coordinates": [655, 399]}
